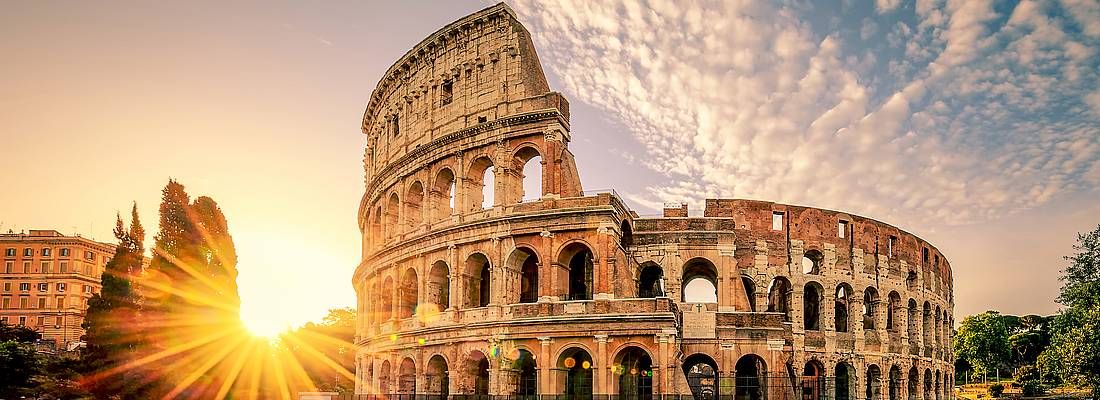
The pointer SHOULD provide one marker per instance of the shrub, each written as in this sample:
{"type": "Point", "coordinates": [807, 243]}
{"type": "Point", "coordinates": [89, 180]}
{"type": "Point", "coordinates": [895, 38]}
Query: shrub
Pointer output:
{"type": "Point", "coordinates": [996, 390]}
{"type": "Point", "coordinates": [1026, 373]}
{"type": "Point", "coordinates": [1032, 388]}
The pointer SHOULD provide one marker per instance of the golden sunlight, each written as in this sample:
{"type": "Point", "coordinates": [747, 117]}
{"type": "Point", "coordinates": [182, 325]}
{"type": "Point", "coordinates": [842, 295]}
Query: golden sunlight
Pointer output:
{"type": "Point", "coordinates": [264, 327]}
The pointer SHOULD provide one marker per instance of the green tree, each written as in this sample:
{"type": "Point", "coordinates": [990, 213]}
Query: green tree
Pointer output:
{"type": "Point", "coordinates": [1074, 351]}
{"type": "Point", "coordinates": [18, 364]}
{"type": "Point", "coordinates": [331, 339]}
{"type": "Point", "coordinates": [113, 316]}
{"type": "Point", "coordinates": [17, 333]}
{"type": "Point", "coordinates": [982, 340]}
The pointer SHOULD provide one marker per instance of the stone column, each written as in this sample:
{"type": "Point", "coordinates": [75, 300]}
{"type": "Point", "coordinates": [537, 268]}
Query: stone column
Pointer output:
{"type": "Point", "coordinates": [544, 365]}
{"type": "Point", "coordinates": [600, 386]}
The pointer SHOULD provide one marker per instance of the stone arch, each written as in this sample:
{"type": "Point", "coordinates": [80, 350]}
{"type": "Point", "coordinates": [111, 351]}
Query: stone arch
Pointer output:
{"type": "Point", "coordinates": [409, 293]}
{"type": "Point", "coordinates": [749, 286]}
{"type": "Point", "coordinates": [927, 325]}
{"type": "Point", "coordinates": [811, 306]}
{"type": "Point", "coordinates": [873, 386]}
{"type": "Point", "coordinates": [626, 234]}
{"type": "Point", "coordinates": [650, 280]}
{"type": "Point", "coordinates": [375, 223]}
{"type": "Point", "coordinates": [702, 375]}
{"type": "Point", "coordinates": [913, 327]}
{"type": "Point", "coordinates": [414, 201]}
{"type": "Point", "coordinates": [406, 377]}
{"type": "Point", "coordinates": [938, 330]}
{"type": "Point", "coordinates": [698, 273]}
{"type": "Point", "coordinates": [870, 307]}
{"type": "Point", "coordinates": [812, 262]}
{"type": "Point", "coordinates": [813, 380]}
{"type": "Point", "coordinates": [439, 285]}
{"type": "Point", "coordinates": [575, 373]}
{"type": "Point", "coordinates": [386, 304]}
{"type": "Point", "coordinates": [844, 376]}
{"type": "Point", "coordinates": [476, 373]}
{"type": "Point", "coordinates": [578, 258]}
{"type": "Point", "coordinates": [385, 373]}
{"type": "Point", "coordinates": [751, 378]}
{"type": "Point", "coordinates": [939, 385]}
{"type": "Point", "coordinates": [481, 179]}
{"type": "Point", "coordinates": [894, 389]}
{"type": "Point", "coordinates": [435, 377]}
{"type": "Point", "coordinates": [478, 276]}
{"type": "Point", "coordinates": [443, 194]}
{"type": "Point", "coordinates": [842, 302]}
{"type": "Point", "coordinates": [893, 304]}
{"type": "Point", "coordinates": [927, 384]}
{"type": "Point", "coordinates": [911, 385]}
{"type": "Point", "coordinates": [525, 261]}
{"type": "Point", "coordinates": [525, 369]}
{"type": "Point", "coordinates": [529, 162]}
{"type": "Point", "coordinates": [393, 215]}
{"type": "Point", "coordinates": [632, 371]}
{"type": "Point", "coordinates": [779, 297]}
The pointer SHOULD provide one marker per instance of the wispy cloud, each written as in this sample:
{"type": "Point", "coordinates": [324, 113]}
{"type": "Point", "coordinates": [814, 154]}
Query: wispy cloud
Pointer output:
{"type": "Point", "coordinates": [941, 111]}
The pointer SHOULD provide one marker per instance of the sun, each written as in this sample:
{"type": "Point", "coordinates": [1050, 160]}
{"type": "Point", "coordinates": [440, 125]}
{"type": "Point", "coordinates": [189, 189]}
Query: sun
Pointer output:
{"type": "Point", "coordinates": [264, 328]}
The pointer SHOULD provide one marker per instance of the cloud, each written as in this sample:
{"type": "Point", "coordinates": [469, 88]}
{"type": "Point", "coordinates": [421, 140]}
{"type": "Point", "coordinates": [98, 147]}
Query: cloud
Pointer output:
{"type": "Point", "coordinates": [954, 120]}
{"type": "Point", "coordinates": [885, 6]}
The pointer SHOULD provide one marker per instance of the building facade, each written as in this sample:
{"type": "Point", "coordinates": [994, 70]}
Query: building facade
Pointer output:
{"type": "Point", "coordinates": [47, 279]}
{"type": "Point", "coordinates": [488, 270]}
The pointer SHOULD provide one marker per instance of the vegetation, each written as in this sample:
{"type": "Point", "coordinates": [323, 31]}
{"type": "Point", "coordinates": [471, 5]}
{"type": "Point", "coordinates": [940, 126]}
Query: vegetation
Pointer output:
{"type": "Point", "coordinates": [322, 347]}
{"type": "Point", "coordinates": [1074, 351]}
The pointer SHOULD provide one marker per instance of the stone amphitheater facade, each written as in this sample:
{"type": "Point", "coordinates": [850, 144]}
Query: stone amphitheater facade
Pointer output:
{"type": "Point", "coordinates": [469, 285]}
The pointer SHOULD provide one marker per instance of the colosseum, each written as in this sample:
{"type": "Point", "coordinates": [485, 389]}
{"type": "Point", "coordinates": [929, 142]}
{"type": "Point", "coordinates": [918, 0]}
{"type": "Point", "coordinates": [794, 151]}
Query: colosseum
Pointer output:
{"type": "Point", "coordinates": [487, 270]}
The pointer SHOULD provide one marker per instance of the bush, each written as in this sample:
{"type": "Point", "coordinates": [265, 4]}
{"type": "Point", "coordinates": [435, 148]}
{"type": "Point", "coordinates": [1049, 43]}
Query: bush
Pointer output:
{"type": "Point", "coordinates": [996, 390]}
{"type": "Point", "coordinates": [1032, 388]}
{"type": "Point", "coordinates": [1026, 373]}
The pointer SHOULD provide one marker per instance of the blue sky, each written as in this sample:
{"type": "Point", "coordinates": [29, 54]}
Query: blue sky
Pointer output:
{"type": "Point", "coordinates": [973, 124]}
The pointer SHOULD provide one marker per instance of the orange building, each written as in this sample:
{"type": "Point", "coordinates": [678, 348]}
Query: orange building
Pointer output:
{"type": "Point", "coordinates": [46, 281]}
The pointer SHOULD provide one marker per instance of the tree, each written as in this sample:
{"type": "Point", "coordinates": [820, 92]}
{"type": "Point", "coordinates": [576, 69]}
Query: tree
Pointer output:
{"type": "Point", "coordinates": [1074, 351]}
{"type": "Point", "coordinates": [17, 333]}
{"type": "Point", "coordinates": [18, 364]}
{"type": "Point", "coordinates": [331, 339]}
{"type": "Point", "coordinates": [982, 340]}
{"type": "Point", "coordinates": [112, 317]}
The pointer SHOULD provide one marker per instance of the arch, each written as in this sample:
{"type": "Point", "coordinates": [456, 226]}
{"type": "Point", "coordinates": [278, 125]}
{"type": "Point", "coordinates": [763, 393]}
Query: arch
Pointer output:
{"type": "Point", "coordinates": [938, 330]}
{"type": "Point", "coordinates": [575, 373]}
{"type": "Point", "coordinates": [526, 261]}
{"type": "Point", "coordinates": [528, 160]}
{"type": "Point", "coordinates": [844, 376]}
{"type": "Point", "coordinates": [870, 307]}
{"type": "Point", "coordinates": [634, 368]}
{"type": "Point", "coordinates": [927, 325]}
{"type": "Point", "coordinates": [779, 297]}
{"type": "Point", "coordinates": [813, 380]}
{"type": "Point", "coordinates": [376, 227]}
{"type": "Point", "coordinates": [626, 234]}
{"type": "Point", "coordinates": [476, 370]}
{"type": "Point", "coordinates": [406, 377]}
{"type": "Point", "coordinates": [478, 280]}
{"type": "Point", "coordinates": [526, 371]}
{"type": "Point", "coordinates": [374, 316]}
{"type": "Point", "coordinates": [812, 261]}
{"type": "Point", "coordinates": [700, 281]}
{"type": "Point", "coordinates": [443, 193]}
{"type": "Point", "coordinates": [895, 383]}
{"type": "Point", "coordinates": [384, 376]}
{"type": "Point", "coordinates": [578, 258]}
{"type": "Point", "coordinates": [414, 200]}
{"type": "Point", "coordinates": [927, 384]}
{"type": "Point", "coordinates": [750, 378]}
{"type": "Point", "coordinates": [387, 299]}
{"type": "Point", "coordinates": [914, 329]}
{"type": "Point", "coordinates": [393, 214]}
{"type": "Point", "coordinates": [811, 306]}
{"type": "Point", "coordinates": [750, 291]}
{"type": "Point", "coordinates": [911, 385]}
{"type": "Point", "coordinates": [482, 179]}
{"type": "Point", "coordinates": [841, 303]}
{"type": "Point", "coordinates": [893, 304]}
{"type": "Point", "coordinates": [435, 377]}
{"type": "Point", "coordinates": [702, 376]}
{"type": "Point", "coordinates": [439, 285]}
{"type": "Point", "coordinates": [409, 294]}
{"type": "Point", "coordinates": [939, 385]}
{"type": "Point", "coordinates": [874, 382]}
{"type": "Point", "coordinates": [651, 280]}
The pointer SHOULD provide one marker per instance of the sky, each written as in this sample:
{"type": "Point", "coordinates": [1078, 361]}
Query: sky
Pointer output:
{"type": "Point", "coordinates": [973, 124]}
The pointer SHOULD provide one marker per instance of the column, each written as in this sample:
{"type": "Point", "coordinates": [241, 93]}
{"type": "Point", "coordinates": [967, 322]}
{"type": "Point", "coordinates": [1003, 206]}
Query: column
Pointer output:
{"type": "Point", "coordinates": [545, 364]}
{"type": "Point", "coordinates": [601, 367]}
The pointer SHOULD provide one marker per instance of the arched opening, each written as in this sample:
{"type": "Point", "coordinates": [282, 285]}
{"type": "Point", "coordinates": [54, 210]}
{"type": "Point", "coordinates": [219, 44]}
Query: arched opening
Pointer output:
{"type": "Point", "coordinates": [527, 263]}
{"type": "Point", "coordinates": [702, 376]}
{"type": "Point", "coordinates": [750, 292]}
{"type": "Point", "coordinates": [439, 286]}
{"type": "Point", "coordinates": [840, 307]}
{"type": "Point", "coordinates": [408, 294]}
{"type": "Point", "coordinates": [700, 281]}
{"type": "Point", "coordinates": [482, 180]}
{"type": "Point", "coordinates": [895, 383]}
{"type": "Point", "coordinates": [444, 193]}
{"type": "Point", "coordinates": [894, 307]}
{"type": "Point", "coordinates": [811, 262]}
{"type": "Point", "coordinates": [914, 376]}
{"type": "Point", "coordinates": [384, 375]}
{"type": "Point", "coordinates": [939, 385]}
{"type": "Point", "coordinates": [651, 281]}
{"type": "Point", "coordinates": [436, 377]}
{"type": "Point", "coordinates": [392, 213]}
{"type": "Point", "coordinates": [750, 378]}
{"type": "Point", "coordinates": [529, 162]}
{"type": "Point", "coordinates": [578, 258]}
{"type": "Point", "coordinates": [813, 381]}
{"type": "Point", "coordinates": [927, 325]}
{"type": "Point", "coordinates": [414, 199]}
{"type": "Point", "coordinates": [376, 238]}
{"type": "Point", "coordinates": [870, 308]}
{"type": "Point", "coordinates": [874, 382]}
{"type": "Point", "coordinates": [938, 331]}
{"type": "Point", "coordinates": [406, 378]}
{"type": "Point", "coordinates": [575, 366]}
{"type": "Point", "coordinates": [627, 238]}
{"type": "Point", "coordinates": [374, 317]}
{"type": "Point", "coordinates": [844, 375]}
{"type": "Point", "coordinates": [527, 371]}
{"type": "Point", "coordinates": [386, 313]}
{"type": "Point", "coordinates": [779, 297]}
{"type": "Point", "coordinates": [811, 306]}
{"type": "Point", "coordinates": [635, 374]}
{"type": "Point", "coordinates": [477, 370]}
{"type": "Point", "coordinates": [928, 384]}
{"type": "Point", "coordinates": [913, 325]}
{"type": "Point", "coordinates": [478, 280]}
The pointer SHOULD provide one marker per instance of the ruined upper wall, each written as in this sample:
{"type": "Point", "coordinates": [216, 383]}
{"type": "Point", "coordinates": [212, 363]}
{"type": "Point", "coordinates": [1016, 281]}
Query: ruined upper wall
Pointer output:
{"type": "Point", "coordinates": [478, 69]}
